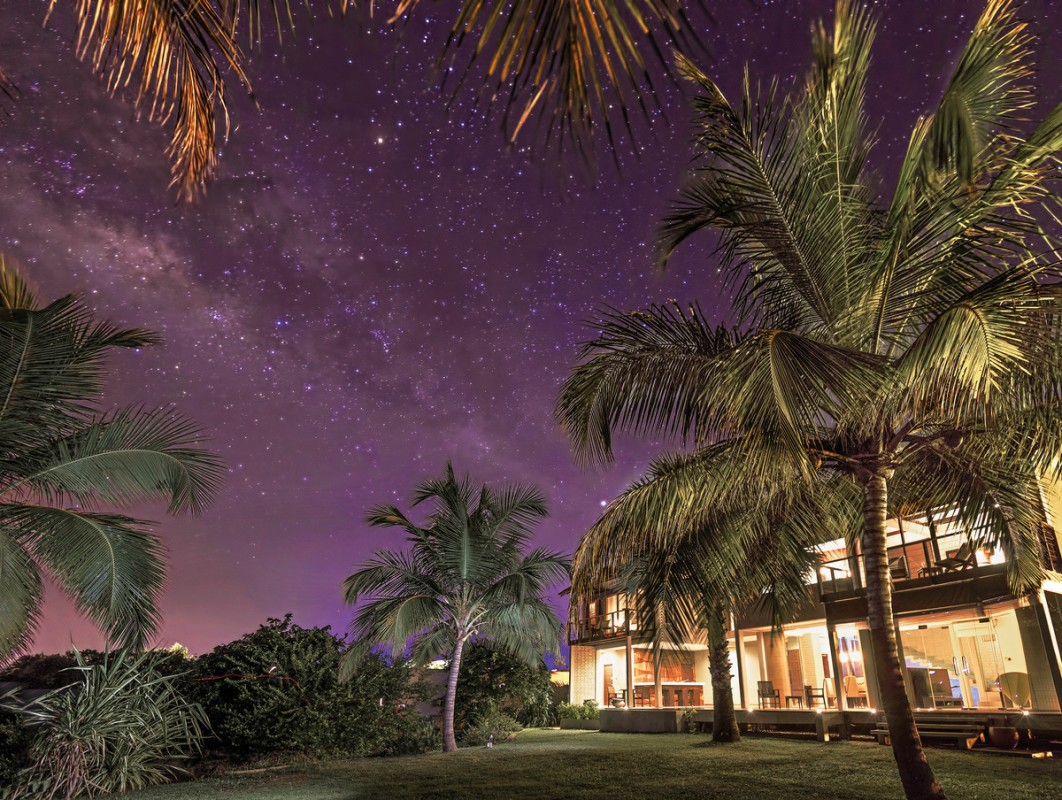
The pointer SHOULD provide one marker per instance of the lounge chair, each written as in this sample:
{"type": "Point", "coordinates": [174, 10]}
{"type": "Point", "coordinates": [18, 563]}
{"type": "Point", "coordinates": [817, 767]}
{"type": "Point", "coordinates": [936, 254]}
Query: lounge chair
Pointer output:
{"type": "Point", "coordinates": [961, 559]}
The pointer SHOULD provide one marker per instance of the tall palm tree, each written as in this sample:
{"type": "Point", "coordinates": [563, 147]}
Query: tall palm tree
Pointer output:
{"type": "Point", "coordinates": [62, 462]}
{"type": "Point", "coordinates": [465, 575]}
{"type": "Point", "coordinates": [741, 555]}
{"type": "Point", "coordinates": [554, 67]}
{"type": "Point", "coordinates": [910, 347]}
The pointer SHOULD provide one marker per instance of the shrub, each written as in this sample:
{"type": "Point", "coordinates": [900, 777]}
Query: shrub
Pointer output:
{"type": "Point", "coordinates": [277, 689]}
{"type": "Point", "coordinates": [15, 739]}
{"type": "Point", "coordinates": [494, 680]}
{"type": "Point", "coordinates": [413, 735]}
{"type": "Point", "coordinates": [689, 720]}
{"type": "Point", "coordinates": [49, 671]}
{"type": "Point", "coordinates": [122, 726]}
{"type": "Point", "coordinates": [495, 724]}
{"type": "Point", "coordinates": [586, 710]}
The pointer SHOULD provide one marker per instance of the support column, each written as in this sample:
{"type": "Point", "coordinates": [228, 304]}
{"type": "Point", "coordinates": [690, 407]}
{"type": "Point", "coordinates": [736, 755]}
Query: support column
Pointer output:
{"type": "Point", "coordinates": [630, 672]}
{"type": "Point", "coordinates": [739, 655]}
{"type": "Point", "coordinates": [835, 668]}
{"type": "Point", "coordinates": [777, 662]}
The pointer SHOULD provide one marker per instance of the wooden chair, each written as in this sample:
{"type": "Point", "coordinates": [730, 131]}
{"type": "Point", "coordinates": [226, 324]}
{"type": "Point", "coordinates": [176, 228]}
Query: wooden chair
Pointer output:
{"type": "Point", "coordinates": [813, 696]}
{"type": "Point", "coordinates": [769, 696]}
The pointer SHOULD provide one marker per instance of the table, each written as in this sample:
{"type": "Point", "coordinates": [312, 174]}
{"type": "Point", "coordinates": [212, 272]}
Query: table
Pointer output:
{"type": "Point", "coordinates": [789, 698]}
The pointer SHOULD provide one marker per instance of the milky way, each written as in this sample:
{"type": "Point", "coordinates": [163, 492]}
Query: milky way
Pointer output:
{"type": "Point", "coordinates": [373, 286]}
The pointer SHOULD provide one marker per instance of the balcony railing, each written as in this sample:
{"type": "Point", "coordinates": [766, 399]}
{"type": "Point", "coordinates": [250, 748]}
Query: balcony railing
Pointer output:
{"type": "Point", "coordinates": [602, 626]}
{"type": "Point", "coordinates": [940, 560]}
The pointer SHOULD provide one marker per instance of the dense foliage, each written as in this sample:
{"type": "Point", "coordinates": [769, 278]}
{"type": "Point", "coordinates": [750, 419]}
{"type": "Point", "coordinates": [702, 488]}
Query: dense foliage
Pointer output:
{"type": "Point", "coordinates": [124, 725]}
{"type": "Point", "coordinates": [586, 710]}
{"type": "Point", "coordinates": [492, 680]}
{"type": "Point", "coordinates": [15, 742]}
{"type": "Point", "coordinates": [493, 727]}
{"type": "Point", "coordinates": [278, 689]}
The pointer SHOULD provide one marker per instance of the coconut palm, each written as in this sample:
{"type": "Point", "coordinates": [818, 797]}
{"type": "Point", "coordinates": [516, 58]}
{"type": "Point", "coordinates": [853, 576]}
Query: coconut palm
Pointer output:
{"type": "Point", "coordinates": [465, 575]}
{"type": "Point", "coordinates": [555, 68]}
{"type": "Point", "coordinates": [63, 462]}
{"type": "Point", "coordinates": [909, 347]}
{"type": "Point", "coordinates": [742, 555]}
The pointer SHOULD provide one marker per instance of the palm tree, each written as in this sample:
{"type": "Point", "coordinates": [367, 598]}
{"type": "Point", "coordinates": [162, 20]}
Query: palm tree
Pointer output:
{"type": "Point", "coordinates": [464, 576]}
{"type": "Point", "coordinates": [63, 461]}
{"type": "Point", "coordinates": [685, 581]}
{"type": "Point", "coordinates": [910, 348]}
{"type": "Point", "coordinates": [555, 68]}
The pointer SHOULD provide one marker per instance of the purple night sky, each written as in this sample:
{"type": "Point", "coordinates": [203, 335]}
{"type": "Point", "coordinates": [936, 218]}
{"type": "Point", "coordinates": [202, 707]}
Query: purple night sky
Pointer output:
{"type": "Point", "coordinates": [372, 287]}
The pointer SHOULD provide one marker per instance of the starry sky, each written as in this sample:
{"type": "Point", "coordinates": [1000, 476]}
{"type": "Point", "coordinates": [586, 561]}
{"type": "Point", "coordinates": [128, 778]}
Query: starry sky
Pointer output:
{"type": "Point", "coordinates": [373, 286]}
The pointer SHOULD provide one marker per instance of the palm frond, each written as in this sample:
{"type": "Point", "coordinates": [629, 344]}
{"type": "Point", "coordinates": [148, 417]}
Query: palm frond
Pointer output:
{"type": "Point", "coordinates": [556, 68]}
{"type": "Point", "coordinates": [643, 372]}
{"type": "Point", "coordinates": [173, 52]}
{"type": "Point", "coordinates": [15, 291]}
{"type": "Point", "coordinates": [20, 593]}
{"type": "Point", "coordinates": [110, 566]}
{"type": "Point", "coordinates": [127, 458]}
{"type": "Point", "coordinates": [51, 369]}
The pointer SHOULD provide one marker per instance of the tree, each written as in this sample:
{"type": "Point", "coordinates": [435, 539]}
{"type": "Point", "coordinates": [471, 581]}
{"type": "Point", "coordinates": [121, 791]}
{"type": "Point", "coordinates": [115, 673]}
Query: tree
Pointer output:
{"type": "Point", "coordinates": [909, 349]}
{"type": "Point", "coordinates": [465, 576]}
{"type": "Point", "coordinates": [686, 581]}
{"type": "Point", "coordinates": [555, 68]}
{"type": "Point", "coordinates": [63, 461]}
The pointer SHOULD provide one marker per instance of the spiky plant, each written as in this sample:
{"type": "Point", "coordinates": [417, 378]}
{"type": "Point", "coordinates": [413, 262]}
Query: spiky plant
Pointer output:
{"type": "Point", "coordinates": [464, 575]}
{"type": "Point", "coordinates": [120, 725]}
{"type": "Point", "coordinates": [62, 462]}
{"type": "Point", "coordinates": [908, 346]}
{"type": "Point", "coordinates": [556, 68]}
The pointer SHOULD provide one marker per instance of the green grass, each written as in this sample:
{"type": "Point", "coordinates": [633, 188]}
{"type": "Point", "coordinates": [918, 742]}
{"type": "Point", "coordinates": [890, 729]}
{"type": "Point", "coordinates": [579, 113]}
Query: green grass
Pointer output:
{"type": "Point", "coordinates": [575, 765]}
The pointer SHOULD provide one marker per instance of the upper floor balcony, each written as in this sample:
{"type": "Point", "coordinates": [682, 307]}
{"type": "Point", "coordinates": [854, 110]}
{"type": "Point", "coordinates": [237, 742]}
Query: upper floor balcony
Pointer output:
{"type": "Point", "coordinates": [606, 617]}
{"type": "Point", "coordinates": [923, 549]}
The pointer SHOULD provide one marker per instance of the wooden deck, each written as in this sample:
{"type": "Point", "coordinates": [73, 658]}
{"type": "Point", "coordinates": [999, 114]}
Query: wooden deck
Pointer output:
{"type": "Point", "coordinates": [825, 723]}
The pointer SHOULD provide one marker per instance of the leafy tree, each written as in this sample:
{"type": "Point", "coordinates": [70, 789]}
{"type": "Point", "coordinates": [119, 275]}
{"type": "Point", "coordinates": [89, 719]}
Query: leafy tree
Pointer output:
{"type": "Point", "coordinates": [465, 575]}
{"type": "Point", "coordinates": [277, 689]}
{"type": "Point", "coordinates": [556, 69]}
{"type": "Point", "coordinates": [492, 679]}
{"type": "Point", "coordinates": [906, 352]}
{"type": "Point", "coordinates": [63, 460]}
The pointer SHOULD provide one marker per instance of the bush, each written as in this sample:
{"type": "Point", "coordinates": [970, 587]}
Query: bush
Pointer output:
{"type": "Point", "coordinates": [493, 680]}
{"type": "Point", "coordinates": [586, 710]}
{"type": "Point", "coordinates": [689, 720]}
{"type": "Point", "coordinates": [496, 724]}
{"type": "Point", "coordinates": [50, 671]}
{"type": "Point", "coordinates": [413, 735]}
{"type": "Point", "coordinates": [277, 689]}
{"type": "Point", "coordinates": [15, 740]}
{"type": "Point", "coordinates": [122, 726]}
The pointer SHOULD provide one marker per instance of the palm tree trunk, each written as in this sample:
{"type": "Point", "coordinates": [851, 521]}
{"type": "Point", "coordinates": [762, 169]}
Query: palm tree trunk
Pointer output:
{"type": "Point", "coordinates": [449, 741]}
{"type": "Point", "coordinates": [724, 721]}
{"type": "Point", "coordinates": [917, 777]}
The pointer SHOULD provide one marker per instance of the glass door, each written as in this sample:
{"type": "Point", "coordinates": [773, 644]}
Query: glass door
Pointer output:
{"type": "Point", "coordinates": [934, 666]}
{"type": "Point", "coordinates": [980, 663]}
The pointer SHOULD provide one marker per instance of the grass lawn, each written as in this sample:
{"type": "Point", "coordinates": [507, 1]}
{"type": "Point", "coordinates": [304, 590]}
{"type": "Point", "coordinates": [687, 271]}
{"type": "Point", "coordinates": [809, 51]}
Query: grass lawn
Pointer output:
{"type": "Point", "coordinates": [569, 765]}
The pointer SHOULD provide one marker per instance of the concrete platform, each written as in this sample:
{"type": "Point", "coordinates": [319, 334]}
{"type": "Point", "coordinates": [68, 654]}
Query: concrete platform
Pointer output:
{"type": "Point", "coordinates": [641, 720]}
